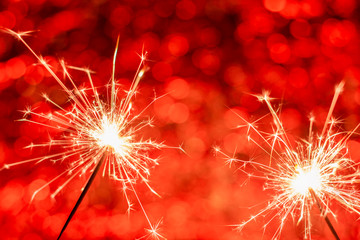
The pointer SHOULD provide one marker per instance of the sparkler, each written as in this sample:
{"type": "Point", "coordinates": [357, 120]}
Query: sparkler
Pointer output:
{"type": "Point", "coordinates": [97, 133]}
{"type": "Point", "coordinates": [316, 171]}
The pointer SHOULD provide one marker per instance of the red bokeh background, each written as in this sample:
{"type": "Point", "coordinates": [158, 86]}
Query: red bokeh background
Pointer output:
{"type": "Point", "coordinates": [208, 57]}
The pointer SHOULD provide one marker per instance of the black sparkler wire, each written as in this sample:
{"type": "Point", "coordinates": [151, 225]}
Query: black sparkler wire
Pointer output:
{"type": "Point", "coordinates": [327, 220]}
{"type": "Point", "coordinates": [82, 195]}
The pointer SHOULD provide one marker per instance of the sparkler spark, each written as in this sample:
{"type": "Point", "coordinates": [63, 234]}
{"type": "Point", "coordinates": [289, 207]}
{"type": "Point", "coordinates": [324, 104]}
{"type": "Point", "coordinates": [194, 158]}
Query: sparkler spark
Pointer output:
{"type": "Point", "coordinates": [96, 132]}
{"type": "Point", "coordinates": [317, 171]}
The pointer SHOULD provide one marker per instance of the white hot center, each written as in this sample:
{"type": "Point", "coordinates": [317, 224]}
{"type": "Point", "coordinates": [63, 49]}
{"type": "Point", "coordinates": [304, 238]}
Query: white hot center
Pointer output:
{"type": "Point", "coordinates": [108, 136]}
{"type": "Point", "coordinates": [306, 179]}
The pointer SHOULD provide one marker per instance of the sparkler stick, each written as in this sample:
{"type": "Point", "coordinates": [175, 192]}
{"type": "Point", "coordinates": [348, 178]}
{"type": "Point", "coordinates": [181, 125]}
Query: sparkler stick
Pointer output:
{"type": "Point", "coordinates": [82, 195]}
{"type": "Point", "coordinates": [98, 165]}
{"type": "Point", "coordinates": [316, 170]}
{"type": "Point", "coordinates": [323, 213]}
{"type": "Point", "coordinates": [97, 132]}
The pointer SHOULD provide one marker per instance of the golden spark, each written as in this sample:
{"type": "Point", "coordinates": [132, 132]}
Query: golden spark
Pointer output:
{"type": "Point", "coordinates": [96, 134]}
{"type": "Point", "coordinates": [316, 171]}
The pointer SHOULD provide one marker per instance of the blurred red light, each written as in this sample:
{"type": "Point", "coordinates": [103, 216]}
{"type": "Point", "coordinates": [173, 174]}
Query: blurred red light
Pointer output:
{"type": "Point", "coordinates": [162, 107]}
{"type": "Point", "coordinates": [34, 75]}
{"type": "Point", "coordinates": [209, 37]}
{"type": "Point", "coordinates": [120, 16]}
{"type": "Point", "coordinates": [235, 76]}
{"type": "Point", "coordinates": [344, 8]}
{"type": "Point", "coordinates": [337, 33]}
{"type": "Point", "coordinates": [234, 142]}
{"type": "Point", "coordinates": [35, 185]}
{"type": "Point", "coordinates": [15, 68]}
{"type": "Point", "coordinates": [291, 118]}
{"type": "Point", "coordinates": [305, 48]}
{"type": "Point", "coordinates": [354, 150]}
{"type": "Point", "coordinates": [178, 45]}
{"type": "Point", "coordinates": [161, 71]}
{"type": "Point", "coordinates": [298, 77]}
{"type": "Point", "coordinates": [185, 9]}
{"type": "Point", "coordinates": [11, 197]}
{"type": "Point", "coordinates": [20, 147]}
{"type": "Point", "coordinates": [291, 9]}
{"type": "Point", "coordinates": [300, 28]}
{"type": "Point", "coordinates": [232, 119]}
{"type": "Point", "coordinates": [178, 88]}
{"type": "Point", "coordinates": [7, 19]}
{"type": "Point", "coordinates": [145, 20]}
{"type": "Point", "coordinates": [164, 8]}
{"type": "Point", "coordinates": [280, 53]}
{"type": "Point", "coordinates": [312, 8]}
{"type": "Point", "coordinates": [260, 21]}
{"type": "Point", "coordinates": [179, 113]}
{"type": "Point", "coordinates": [31, 236]}
{"type": "Point", "coordinates": [274, 5]}
{"type": "Point", "coordinates": [207, 60]}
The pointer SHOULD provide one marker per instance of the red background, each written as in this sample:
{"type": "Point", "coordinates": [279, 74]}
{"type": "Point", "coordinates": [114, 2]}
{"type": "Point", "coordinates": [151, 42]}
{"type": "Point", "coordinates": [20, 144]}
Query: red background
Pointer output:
{"type": "Point", "coordinates": [208, 57]}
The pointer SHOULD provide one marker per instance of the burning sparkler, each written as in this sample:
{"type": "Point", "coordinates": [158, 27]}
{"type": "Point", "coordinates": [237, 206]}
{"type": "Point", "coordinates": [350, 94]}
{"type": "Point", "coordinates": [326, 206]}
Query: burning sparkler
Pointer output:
{"type": "Point", "coordinates": [316, 171]}
{"type": "Point", "coordinates": [99, 134]}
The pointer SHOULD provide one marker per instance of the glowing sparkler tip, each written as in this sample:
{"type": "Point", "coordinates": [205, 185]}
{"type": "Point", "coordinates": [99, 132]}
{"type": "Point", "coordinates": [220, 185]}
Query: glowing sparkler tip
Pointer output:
{"type": "Point", "coordinates": [216, 149]}
{"type": "Point", "coordinates": [306, 179]}
{"type": "Point", "coordinates": [339, 88]}
{"type": "Point", "coordinates": [265, 96]}
{"type": "Point", "coordinates": [154, 231]}
{"type": "Point", "coordinates": [141, 73]}
{"type": "Point", "coordinates": [109, 136]}
{"type": "Point", "coordinates": [19, 34]}
{"type": "Point", "coordinates": [311, 118]}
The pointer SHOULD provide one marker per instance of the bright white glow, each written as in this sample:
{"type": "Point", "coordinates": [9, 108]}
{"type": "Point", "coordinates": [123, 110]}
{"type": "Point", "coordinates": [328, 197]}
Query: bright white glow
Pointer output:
{"type": "Point", "coordinates": [108, 136]}
{"type": "Point", "coordinates": [306, 179]}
